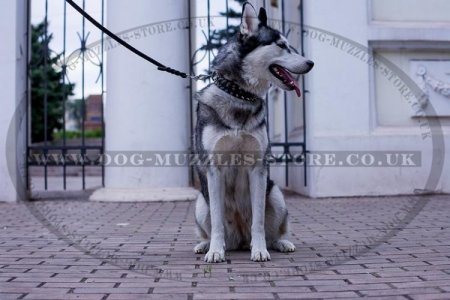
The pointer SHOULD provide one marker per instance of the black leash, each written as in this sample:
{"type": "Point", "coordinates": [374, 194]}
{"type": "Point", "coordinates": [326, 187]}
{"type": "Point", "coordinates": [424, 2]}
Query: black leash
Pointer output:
{"type": "Point", "coordinates": [160, 66]}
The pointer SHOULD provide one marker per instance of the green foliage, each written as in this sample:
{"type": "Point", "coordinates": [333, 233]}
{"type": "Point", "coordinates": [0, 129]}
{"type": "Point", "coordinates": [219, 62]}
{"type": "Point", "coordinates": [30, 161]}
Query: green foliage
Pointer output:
{"type": "Point", "coordinates": [45, 81]}
{"type": "Point", "coordinates": [59, 135]}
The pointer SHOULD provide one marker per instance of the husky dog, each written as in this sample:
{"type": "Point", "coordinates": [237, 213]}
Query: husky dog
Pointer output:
{"type": "Point", "coordinates": [239, 207]}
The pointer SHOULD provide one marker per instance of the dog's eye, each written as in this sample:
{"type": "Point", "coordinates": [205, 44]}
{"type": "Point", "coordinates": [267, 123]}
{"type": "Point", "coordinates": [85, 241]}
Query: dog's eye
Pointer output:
{"type": "Point", "coordinates": [284, 47]}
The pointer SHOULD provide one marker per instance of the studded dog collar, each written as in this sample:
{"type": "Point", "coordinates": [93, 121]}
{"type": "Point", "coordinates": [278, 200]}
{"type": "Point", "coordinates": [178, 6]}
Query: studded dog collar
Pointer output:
{"type": "Point", "coordinates": [233, 89]}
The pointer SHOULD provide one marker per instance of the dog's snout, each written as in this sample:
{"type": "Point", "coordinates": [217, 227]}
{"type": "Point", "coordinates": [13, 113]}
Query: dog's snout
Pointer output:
{"type": "Point", "coordinates": [310, 63]}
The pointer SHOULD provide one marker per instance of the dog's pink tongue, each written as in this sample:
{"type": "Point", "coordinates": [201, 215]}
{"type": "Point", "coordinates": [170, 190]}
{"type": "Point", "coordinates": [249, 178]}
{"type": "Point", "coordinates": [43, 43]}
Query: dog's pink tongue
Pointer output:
{"type": "Point", "coordinates": [297, 88]}
{"type": "Point", "coordinates": [292, 81]}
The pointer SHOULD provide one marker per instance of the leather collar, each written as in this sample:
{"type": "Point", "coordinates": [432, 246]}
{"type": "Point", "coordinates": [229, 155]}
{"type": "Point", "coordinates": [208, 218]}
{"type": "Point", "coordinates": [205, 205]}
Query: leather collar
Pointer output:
{"type": "Point", "coordinates": [234, 90]}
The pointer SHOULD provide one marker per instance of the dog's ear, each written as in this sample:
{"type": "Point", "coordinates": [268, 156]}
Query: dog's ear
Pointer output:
{"type": "Point", "coordinates": [249, 22]}
{"type": "Point", "coordinates": [262, 17]}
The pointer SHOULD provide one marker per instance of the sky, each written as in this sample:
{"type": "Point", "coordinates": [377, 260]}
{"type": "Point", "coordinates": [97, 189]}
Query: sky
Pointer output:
{"type": "Point", "coordinates": [73, 23]}
{"type": "Point", "coordinates": [74, 27]}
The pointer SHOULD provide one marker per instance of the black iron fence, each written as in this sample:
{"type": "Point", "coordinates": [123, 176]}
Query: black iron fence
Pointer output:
{"type": "Point", "coordinates": [214, 36]}
{"type": "Point", "coordinates": [52, 111]}
{"type": "Point", "coordinates": [58, 74]}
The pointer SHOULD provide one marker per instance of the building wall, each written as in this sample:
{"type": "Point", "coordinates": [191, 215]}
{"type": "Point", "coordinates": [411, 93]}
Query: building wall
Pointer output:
{"type": "Point", "coordinates": [354, 106]}
{"type": "Point", "coordinates": [13, 30]}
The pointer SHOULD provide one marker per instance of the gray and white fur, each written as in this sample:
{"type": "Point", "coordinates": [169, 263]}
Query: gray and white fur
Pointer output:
{"type": "Point", "coordinates": [239, 207]}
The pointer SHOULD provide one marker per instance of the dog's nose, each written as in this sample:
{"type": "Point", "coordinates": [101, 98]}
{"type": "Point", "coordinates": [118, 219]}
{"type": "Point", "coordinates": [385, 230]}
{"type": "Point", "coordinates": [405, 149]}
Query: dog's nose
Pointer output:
{"type": "Point", "coordinates": [310, 63]}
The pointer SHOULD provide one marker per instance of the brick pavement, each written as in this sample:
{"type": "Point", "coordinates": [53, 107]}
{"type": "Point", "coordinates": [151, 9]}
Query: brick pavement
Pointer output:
{"type": "Point", "coordinates": [89, 250]}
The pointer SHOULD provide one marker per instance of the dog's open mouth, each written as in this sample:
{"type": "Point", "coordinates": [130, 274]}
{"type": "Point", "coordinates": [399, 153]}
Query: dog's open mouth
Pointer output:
{"type": "Point", "coordinates": [285, 77]}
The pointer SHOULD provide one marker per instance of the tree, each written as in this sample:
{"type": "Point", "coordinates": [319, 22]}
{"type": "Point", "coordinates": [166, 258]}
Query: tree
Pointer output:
{"type": "Point", "coordinates": [45, 80]}
{"type": "Point", "coordinates": [219, 37]}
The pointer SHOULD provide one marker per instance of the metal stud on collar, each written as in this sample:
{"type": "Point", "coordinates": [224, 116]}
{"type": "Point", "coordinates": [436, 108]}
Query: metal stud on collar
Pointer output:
{"type": "Point", "coordinates": [233, 89]}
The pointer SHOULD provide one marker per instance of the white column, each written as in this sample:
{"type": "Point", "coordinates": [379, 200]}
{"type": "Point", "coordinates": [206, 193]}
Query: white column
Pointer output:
{"type": "Point", "coordinates": [13, 30]}
{"type": "Point", "coordinates": [147, 110]}
{"type": "Point", "coordinates": [338, 106]}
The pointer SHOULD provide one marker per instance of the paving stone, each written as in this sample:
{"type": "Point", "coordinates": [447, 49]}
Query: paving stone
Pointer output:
{"type": "Point", "coordinates": [445, 286]}
{"type": "Point", "coordinates": [94, 258]}
{"type": "Point", "coordinates": [317, 295]}
{"type": "Point", "coordinates": [11, 296]}
{"type": "Point", "coordinates": [401, 297]}
{"type": "Point", "coordinates": [146, 297]}
{"type": "Point", "coordinates": [46, 296]}
{"type": "Point", "coordinates": [434, 296]}
{"type": "Point", "coordinates": [351, 287]}
{"type": "Point", "coordinates": [433, 283]}
{"type": "Point", "coordinates": [392, 292]}
{"type": "Point", "coordinates": [102, 290]}
{"type": "Point", "coordinates": [254, 295]}
{"type": "Point", "coordinates": [385, 280]}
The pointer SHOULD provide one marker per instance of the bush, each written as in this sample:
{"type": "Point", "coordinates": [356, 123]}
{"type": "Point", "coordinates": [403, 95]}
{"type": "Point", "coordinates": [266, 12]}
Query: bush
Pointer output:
{"type": "Point", "coordinates": [70, 134]}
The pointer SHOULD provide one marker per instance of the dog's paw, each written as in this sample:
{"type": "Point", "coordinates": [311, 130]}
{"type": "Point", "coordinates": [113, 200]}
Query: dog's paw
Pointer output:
{"type": "Point", "coordinates": [201, 247]}
{"type": "Point", "coordinates": [215, 256]}
{"type": "Point", "coordinates": [260, 255]}
{"type": "Point", "coordinates": [284, 246]}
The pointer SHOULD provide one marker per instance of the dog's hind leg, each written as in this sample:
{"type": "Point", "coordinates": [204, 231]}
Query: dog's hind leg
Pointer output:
{"type": "Point", "coordinates": [203, 221]}
{"type": "Point", "coordinates": [201, 247]}
{"type": "Point", "coordinates": [277, 221]}
{"type": "Point", "coordinates": [283, 246]}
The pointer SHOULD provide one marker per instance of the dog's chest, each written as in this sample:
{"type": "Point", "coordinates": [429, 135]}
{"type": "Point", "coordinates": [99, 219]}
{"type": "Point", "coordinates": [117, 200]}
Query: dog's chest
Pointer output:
{"type": "Point", "coordinates": [234, 141]}
{"type": "Point", "coordinates": [238, 142]}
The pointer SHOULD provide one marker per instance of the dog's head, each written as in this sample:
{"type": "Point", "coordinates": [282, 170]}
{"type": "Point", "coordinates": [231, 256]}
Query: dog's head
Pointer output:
{"type": "Point", "coordinates": [262, 54]}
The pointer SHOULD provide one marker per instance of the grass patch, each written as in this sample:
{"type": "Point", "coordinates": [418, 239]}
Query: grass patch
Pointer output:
{"type": "Point", "coordinates": [70, 135]}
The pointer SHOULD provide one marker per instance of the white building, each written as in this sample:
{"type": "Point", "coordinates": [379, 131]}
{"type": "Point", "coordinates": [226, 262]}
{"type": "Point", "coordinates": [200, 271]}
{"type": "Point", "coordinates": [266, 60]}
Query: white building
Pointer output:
{"type": "Point", "coordinates": [356, 104]}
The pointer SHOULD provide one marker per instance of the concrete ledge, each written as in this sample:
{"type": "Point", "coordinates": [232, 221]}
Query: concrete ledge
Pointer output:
{"type": "Point", "coordinates": [142, 195]}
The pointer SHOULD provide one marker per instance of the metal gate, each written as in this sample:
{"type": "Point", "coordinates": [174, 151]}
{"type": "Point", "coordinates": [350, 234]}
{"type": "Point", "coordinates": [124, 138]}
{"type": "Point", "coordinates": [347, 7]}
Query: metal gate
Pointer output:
{"type": "Point", "coordinates": [55, 72]}
{"type": "Point", "coordinates": [55, 154]}
{"type": "Point", "coordinates": [214, 36]}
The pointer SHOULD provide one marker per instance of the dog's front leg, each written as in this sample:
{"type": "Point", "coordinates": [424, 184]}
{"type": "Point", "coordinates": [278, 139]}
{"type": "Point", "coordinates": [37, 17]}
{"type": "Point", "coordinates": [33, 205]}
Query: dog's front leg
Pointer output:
{"type": "Point", "coordinates": [258, 184]}
{"type": "Point", "coordinates": [216, 189]}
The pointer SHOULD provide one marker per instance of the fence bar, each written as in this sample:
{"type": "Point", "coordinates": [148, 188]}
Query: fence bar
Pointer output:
{"type": "Point", "coordinates": [27, 95]}
{"type": "Point", "coordinates": [83, 96]}
{"type": "Point", "coordinates": [209, 35]}
{"type": "Point", "coordinates": [286, 130]}
{"type": "Point", "coordinates": [302, 38]}
{"type": "Point", "coordinates": [64, 96]}
{"type": "Point", "coordinates": [191, 91]}
{"type": "Point", "coordinates": [56, 147]}
{"type": "Point", "coordinates": [45, 86]}
{"type": "Point", "coordinates": [267, 114]}
{"type": "Point", "coordinates": [102, 108]}
{"type": "Point", "coordinates": [227, 7]}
